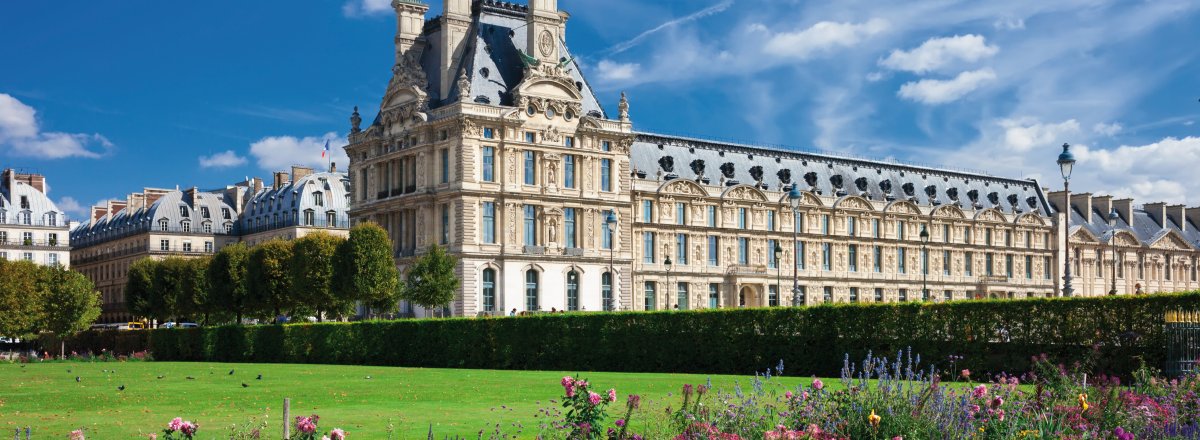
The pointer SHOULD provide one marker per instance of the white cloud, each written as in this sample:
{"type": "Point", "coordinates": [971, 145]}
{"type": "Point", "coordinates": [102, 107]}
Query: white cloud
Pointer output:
{"type": "Point", "coordinates": [280, 152]}
{"type": "Point", "coordinates": [875, 76]}
{"type": "Point", "coordinates": [936, 91]}
{"type": "Point", "coordinates": [629, 44]}
{"type": "Point", "coordinates": [360, 8]}
{"type": "Point", "coordinates": [19, 131]}
{"type": "Point", "coordinates": [938, 53]}
{"type": "Point", "coordinates": [1109, 130]}
{"type": "Point", "coordinates": [1025, 134]}
{"type": "Point", "coordinates": [225, 159]}
{"type": "Point", "coordinates": [1009, 24]}
{"type": "Point", "coordinates": [614, 71]}
{"type": "Point", "coordinates": [1160, 171]}
{"type": "Point", "coordinates": [73, 208]}
{"type": "Point", "coordinates": [822, 37]}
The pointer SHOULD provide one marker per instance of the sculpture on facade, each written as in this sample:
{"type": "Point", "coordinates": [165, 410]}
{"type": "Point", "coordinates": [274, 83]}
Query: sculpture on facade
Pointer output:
{"type": "Point", "coordinates": [785, 176]}
{"type": "Point", "coordinates": [355, 121]}
{"type": "Point", "coordinates": [623, 108]}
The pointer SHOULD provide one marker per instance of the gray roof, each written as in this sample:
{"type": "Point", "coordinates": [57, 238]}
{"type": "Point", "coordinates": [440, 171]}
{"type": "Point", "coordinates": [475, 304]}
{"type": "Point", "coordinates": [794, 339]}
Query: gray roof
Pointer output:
{"type": "Point", "coordinates": [175, 207]}
{"type": "Point", "coordinates": [1143, 226]}
{"type": "Point", "coordinates": [40, 208]}
{"type": "Point", "coordinates": [824, 172]}
{"type": "Point", "coordinates": [283, 206]}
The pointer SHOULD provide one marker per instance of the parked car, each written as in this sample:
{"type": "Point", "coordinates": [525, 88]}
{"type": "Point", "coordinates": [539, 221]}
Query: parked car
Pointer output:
{"type": "Point", "coordinates": [132, 326]}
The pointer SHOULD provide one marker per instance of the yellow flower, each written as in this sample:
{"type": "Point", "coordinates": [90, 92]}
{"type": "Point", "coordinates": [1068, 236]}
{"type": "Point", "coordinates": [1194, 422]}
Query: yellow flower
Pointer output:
{"type": "Point", "coordinates": [1083, 402]}
{"type": "Point", "coordinates": [873, 419]}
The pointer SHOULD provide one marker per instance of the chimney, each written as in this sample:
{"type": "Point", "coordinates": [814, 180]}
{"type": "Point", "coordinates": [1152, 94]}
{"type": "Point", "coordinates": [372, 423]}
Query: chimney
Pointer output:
{"type": "Point", "coordinates": [544, 30]}
{"type": "Point", "coordinates": [1158, 212]}
{"type": "Point", "coordinates": [116, 206]}
{"type": "Point", "coordinates": [281, 179]}
{"type": "Point", "coordinates": [332, 167]}
{"type": "Point", "coordinates": [1083, 204]}
{"type": "Point", "coordinates": [1178, 214]}
{"type": "Point", "coordinates": [1056, 199]}
{"type": "Point", "coordinates": [299, 172]}
{"type": "Point", "coordinates": [189, 196]}
{"type": "Point", "coordinates": [1124, 207]}
{"type": "Point", "coordinates": [410, 21]}
{"type": "Point", "coordinates": [1103, 205]}
{"type": "Point", "coordinates": [456, 20]}
{"type": "Point", "coordinates": [37, 181]}
{"type": "Point", "coordinates": [136, 201]}
{"type": "Point", "coordinates": [1193, 215]}
{"type": "Point", "coordinates": [98, 212]}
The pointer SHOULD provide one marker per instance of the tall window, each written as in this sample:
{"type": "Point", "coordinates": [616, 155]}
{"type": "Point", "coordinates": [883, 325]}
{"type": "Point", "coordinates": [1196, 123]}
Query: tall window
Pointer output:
{"type": "Point", "coordinates": [967, 234]}
{"type": "Point", "coordinates": [877, 259]}
{"type": "Point", "coordinates": [445, 165]}
{"type": "Point", "coordinates": [1167, 271]}
{"type": "Point", "coordinates": [52, 220]}
{"type": "Point", "coordinates": [489, 164]}
{"type": "Point", "coordinates": [1008, 239]}
{"type": "Point", "coordinates": [987, 236]}
{"type": "Point", "coordinates": [852, 257]}
{"type": "Point", "coordinates": [741, 223]}
{"type": "Point", "coordinates": [878, 233]}
{"type": "Point", "coordinates": [681, 249]}
{"type": "Point", "coordinates": [489, 290]}
{"type": "Point", "coordinates": [605, 145]}
{"type": "Point", "coordinates": [445, 224]}
{"type": "Point", "coordinates": [489, 222]}
{"type": "Point", "coordinates": [605, 174]}
{"type": "Point", "coordinates": [569, 171]}
{"type": "Point", "coordinates": [903, 295]}
{"type": "Point", "coordinates": [1046, 264]}
{"type": "Point", "coordinates": [569, 233]}
{"type": "Point", "coordinates": [743, 251]}
{"type": "Point", "coordinates": [682, 290]}
{"type": "Point", "coordinates": [681, 213]}
{"type": "Point", "coordinates": [163, 225]}
{"type": "Point", "coordinates": [310, 217]}
{"type": "Point", "coordinates": [946, 263]}
{"type": "Point", "coordinates": [530, 168]}
{"type": "Point", "coordinates": [531, 290]}
{"type": "Point", "coordinates": [968, 261]}
{"type": "Point", "coordinates": [530, 137]}
{"type": "Point", "coordinates": [901, 260]}
{"type": "Point", "coordinates": [712, 216]}
{"type": "Point", "coordinates": [878, 295]}
{"type": "Point", "coordinates": [771, 263]}
{"type": "Point", "coordinates": [648, 247]}
{"type": "Point", "coordinates": [1028, 240]}
{"type": "Point", "coordinates": [569, 141]}
{"type": "Point", "coordinates": [183, 212]}
{"type": "Point", "coordinates": [714, 250]}
{"type": "Point", "coordinates": [1008, 266]}
{"type": "Point", "coordinates": [826, 256]}
{"type": "Point", "coordinates": [489, 133]}
{"type": "Point", "coordinates": [799, 252]}
{"type": "Point", "coordinates": [946, 233]}
{"type": "Point", "coordinates": [925, 261]}
{"type": "Point", "coordinates": [900, 230]}
{"type": "Point", "coordinates": [1029, 267]}
{"type": "Point", "coordinates": [607, 239]}
{"type": "Point", "coordinates": [825, 224]}
{"type": "Point", "coordinates": [530, 226]}
{"type": "Point", "coordinates": [573, 290]}
{"type": "Point", "coordinates": [606, 291]}
{"type": "Point", "coordinates": [651, 295]}
{"type": "Point", "coordinates": [714, 295]}
{"type": "Point", "coordinates": [647, 211]}
{"type": "Point", "coordinates": [852, 226]}
{"type": "Point", "coordinates": [828, 296]}
{"type": "Point", "coordinates": [853, 294]}
{"type": "Point", "coordinates": [990, 264]}
{"type": "Point", "coordinates": [770, 220]}
{"type": "Point", "coordinates": [186, 225]}
{"type": "Point", "coordinates": [773, 295]}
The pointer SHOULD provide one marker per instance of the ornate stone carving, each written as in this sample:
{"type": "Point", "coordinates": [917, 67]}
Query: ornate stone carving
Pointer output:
{"type": "Point", "coordinates": [355, 121]}
{"type": "Point", "coordinates": [623, 108]}
{"type": "Point", "coordinates": [464, 86]}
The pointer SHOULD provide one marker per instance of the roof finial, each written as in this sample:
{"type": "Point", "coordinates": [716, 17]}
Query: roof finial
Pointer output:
{"type": "Point", "coordinates": [355, 121]}
{"type": "Point", "coordinates": [464, 86]}
{"type": "Point", "coordinates": [623, 108]}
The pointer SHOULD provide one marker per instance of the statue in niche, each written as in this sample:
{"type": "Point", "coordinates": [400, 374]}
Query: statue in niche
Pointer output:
{"type": "Point", "coordinates": [552, 230]}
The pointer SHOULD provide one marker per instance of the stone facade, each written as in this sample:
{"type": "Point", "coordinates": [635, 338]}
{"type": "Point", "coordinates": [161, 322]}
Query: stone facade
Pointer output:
{"type": "Point", "coordinates": [32, 228]}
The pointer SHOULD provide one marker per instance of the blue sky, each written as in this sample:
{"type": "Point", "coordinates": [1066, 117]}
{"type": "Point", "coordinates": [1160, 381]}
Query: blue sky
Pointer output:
{"type": "Point", "coordinates": [108, 97]}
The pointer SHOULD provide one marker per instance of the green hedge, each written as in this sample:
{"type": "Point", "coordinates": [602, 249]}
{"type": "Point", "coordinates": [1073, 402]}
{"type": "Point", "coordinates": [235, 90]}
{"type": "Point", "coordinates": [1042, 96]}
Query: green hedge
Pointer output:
{"type": "Point", "coordinates": [992, 336]}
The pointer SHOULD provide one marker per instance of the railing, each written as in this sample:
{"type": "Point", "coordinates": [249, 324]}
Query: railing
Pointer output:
{"type": "Point", "coordinates": [1183, 341]}
{"type": "Point", "coordinates": [34, 243]}
{"type": "Point", "coordinates": [91, 238]}
{"type": "Point", "coordinates": [180, 250]}
{"type": "Point", "coordinates": [108, 255]}
{"type": "Point", "coordinates": [59, 223]}
{"type": "Point", "coordinates": [341, 222]}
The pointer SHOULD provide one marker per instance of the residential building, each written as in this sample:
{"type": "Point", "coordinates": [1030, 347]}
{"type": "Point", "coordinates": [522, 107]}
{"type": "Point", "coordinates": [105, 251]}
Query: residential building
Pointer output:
{"type": "Point", "coordinates": [32, 228]}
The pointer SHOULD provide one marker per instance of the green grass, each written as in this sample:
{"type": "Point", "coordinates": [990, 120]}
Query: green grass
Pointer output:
{"type": "Point", "coordinates": [47, 398]}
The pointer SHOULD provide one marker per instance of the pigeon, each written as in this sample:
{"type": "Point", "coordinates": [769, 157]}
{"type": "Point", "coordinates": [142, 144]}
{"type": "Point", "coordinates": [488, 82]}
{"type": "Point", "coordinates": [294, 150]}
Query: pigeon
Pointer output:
{"type": "Point", "coordinates": [244, 385]}
{"type": "Point", "coordinates": [121, 388]}
{"type": "Point", "coordinates": [259, 377]}
{"type": "Point", "coordinates": [368, 377]}
{"type": "Point", "coordinates": [77, 379]}
{"type": "Point", "coordinates": [68, 370]}
{"type": "Point", "coordinates": [231, 372]}
{"type": "Point", "coordinates": [191, 378]}
{"type": "Point", "coordinates": [160, 376]}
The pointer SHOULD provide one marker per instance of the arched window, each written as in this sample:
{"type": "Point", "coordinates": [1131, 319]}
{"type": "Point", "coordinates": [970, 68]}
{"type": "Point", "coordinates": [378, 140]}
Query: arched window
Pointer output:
{"type": "Point", "coordinates": [489, 290]}
{"type": "Point", "coordinates": [572, 290]}
{"type": "Point", "coordinates": [606, 291]}
{"type": "Point", "coordinates": [531, 290]}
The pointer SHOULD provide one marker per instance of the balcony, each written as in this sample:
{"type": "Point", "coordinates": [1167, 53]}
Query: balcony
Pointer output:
{"type": "Point", "coordinates": [535, 250]}
{"type": "Point", "coordinates": [34, 244]}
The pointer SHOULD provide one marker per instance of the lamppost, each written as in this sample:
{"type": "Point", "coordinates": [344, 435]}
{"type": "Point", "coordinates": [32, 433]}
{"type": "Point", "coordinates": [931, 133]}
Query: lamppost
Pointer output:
{"type": "Point", "coordinates": [1112, 243]}
{"type": "Point", "coordinates": [611, 221]}
{"type": "Point", "coordinates": [924, 264]}
{"type": "Point", "coordinates": [778, 270]}
{"type": "Point", "coordinates": [794, 197]}
{"type": "Point", "coordinates": [1066, 163]}
{"type": "Point", "coordinates": [667, 262]}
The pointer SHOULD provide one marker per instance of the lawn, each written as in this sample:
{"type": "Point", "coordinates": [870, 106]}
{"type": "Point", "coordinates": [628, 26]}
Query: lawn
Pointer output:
{"type": "Point", "coordinates": [362, 400]}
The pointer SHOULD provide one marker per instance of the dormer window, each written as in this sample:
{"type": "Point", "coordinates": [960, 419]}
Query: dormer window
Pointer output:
{"type": "Point", "coordinates": [163, 225]}
{"type": "Point", "coordinates": [331, 219]}
{"type": "Point", "coordinates": [309, 217]}
{"type": "Point", "coordinates": [186, 226]}
{"type": "Point", "coordinates": [183, 211]}
{"type": "Point", "coordinates": [208, 228]}
{"type": "Point", "coordinates": [204, 212]}
{"type": "Point", "coordinates": [225, 213]}
{"type": "Point", "coordinates": [52, 219]}
{"type": "Point", "coordinates": [24, 202]}
{"type": "Point", "coordinates": [318, 198]}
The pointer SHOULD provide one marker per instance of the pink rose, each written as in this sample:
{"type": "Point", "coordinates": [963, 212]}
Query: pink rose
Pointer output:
{"type": "Point", "coordinates": [337, 434]}
{"type": "Point", "coordinates": [189, 428]}
{"type": "Point", "coordinates": [568, 382]}
{"type": "Point", "coordinates": [788, 395]}
{"type": "Point", "coordinates": [175, 424]}
{"type": "Point", "coordinates": [966, 374]}
{"type": "Point", "coordinates": [979, 391]}
{"type": "Point", "coordinates": [817, 384]}
{"type": "Point", "coordinates": [997, 401]}
{"type": "Point", "coordinates": [612, 395]}
{"type": "Point", "coordinates": [593, 398]}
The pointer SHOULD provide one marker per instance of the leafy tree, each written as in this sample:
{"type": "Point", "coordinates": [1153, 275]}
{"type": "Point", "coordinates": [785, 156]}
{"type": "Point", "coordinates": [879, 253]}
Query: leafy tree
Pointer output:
{"type": "Point", "coordinates": [270, 283]}
{"type": "Point", "coordinates": [140, 287]}
{"type": "Point", "coordinates": [21, 297]}
{"type": "Point", "coordinates": [167, 292]}
{"type": "Point", "coordinates": [364, 269]}
{"type": "Point", "coordinates": [71, 304]}
{"type": "Point", "coordinates": [312, 274]}
{"type": "Point", "coordinates": [192, 299]}
{"type": "Point", "coordinates": [431, 279]}
{"type": "Point", "coordinates": [227, 279]}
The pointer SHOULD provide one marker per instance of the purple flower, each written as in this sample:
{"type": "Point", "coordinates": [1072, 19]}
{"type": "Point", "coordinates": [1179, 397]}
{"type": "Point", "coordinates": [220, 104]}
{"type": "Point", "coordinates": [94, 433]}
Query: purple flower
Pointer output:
{"type": "Point", "coordinates": [979, 391]}
{"type": "Point", "coordinates": [620, 423]}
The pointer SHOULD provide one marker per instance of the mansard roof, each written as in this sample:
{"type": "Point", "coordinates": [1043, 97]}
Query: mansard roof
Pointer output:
{"type": "Point", "coordinates": [40, 207]}
{"type": "Point", "coordinates": [288, 201]}
{"type": "Point", "coordinates": [830, 175]}
{"type": "Point", "coordinates": [1143, 226]}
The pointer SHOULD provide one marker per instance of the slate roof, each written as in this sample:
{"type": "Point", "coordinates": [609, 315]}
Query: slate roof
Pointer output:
{"type": "Point", "coordinates": [1143, 226]}
{"type": "Point", "coordinates": [40, 206]}
{"type": "Point", "coordinates": [287, 202]}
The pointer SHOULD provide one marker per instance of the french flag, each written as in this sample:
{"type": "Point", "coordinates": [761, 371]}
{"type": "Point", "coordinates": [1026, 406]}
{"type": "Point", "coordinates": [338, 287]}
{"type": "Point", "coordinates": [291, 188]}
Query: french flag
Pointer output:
{"type": "Point", "coordinates": [326, 150]}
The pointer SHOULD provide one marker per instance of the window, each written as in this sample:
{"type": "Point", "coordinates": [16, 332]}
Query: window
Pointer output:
{"type": "Point", "coordinates": [445, 166]}
{"type": "Point", "coordinates": [878, 295]}
{"type": "Point", "coordinates": [530, 137]}
{"type": "Point", "coordinates": [875, 228]}
{"type": "Point", "coordinates": [647, 211]}
{"type": "Point", "coordinates": [225, 213]}
{"type": "Point", "coordinates": [714, 295]}
{"type": "Point", "coordinates": [853, 294]}
{"type": "Point", "coordinates": [948, 295]}
{"type": "Point", "coordinates": [52, 220]}
{"type": "Point", "coordinates": [605, 174]}
{"type": "Point", "coordinates": [24, 202]}
{"type": "Point", "coordinates": [530, 226]}
{"type": "Point", "coordinates": [877, 259]}
{"type": "Point", "coordinates": [52, 239]}
{"type": "Point", "coordinates": [310, 217]}
{"type": "Point", "coordinates": [648, 247]}
{"type": "Point", "coordinates": [3, 237]}
{"type": "Point", "coordinates": [681, 249]}
{"type": "Point", "coordinates": [852, 257]}
{"type": "Point", "coordinates": [773, 295]}
{"type": "Point", "coordinates": [569, 141]}
{"type": "Point", "coordinates": [208, 247]}
{"type": "Point", "coordinates": [826, 256]}
{"type": "Point", "coordinates": [1047, 265]}
{"type": "Point", "coordinates": [681, 213]}
{"type": "Point", "coordinates": [605, 145]}
{"type": "Point", "coordinates": [163, 225]}
{"type": "Point", "coordinates": [771, 260]}
{"type": "Point", "coordinates": [903, 295]}
{"type": "Point", "coordinates": [967, 234]}
{"type": "Point", "coordinates": [187, 246]}
{"type": "Point", "coordinates": [573, 290]}
{"type": "Point", "coordinates": [186, 225]}
{"type": "Point", "coordinates": [712, 216]}
{"type": "Point", "coordinates": [331, 219]}
{"type": "Point", "coordinates": [743, 251]}
{"type": "Point", "coordinates": [852, 226]}
{"type": "Point", "coordinates": [489, 164]}
{"type": "Point", "coordinates": [52, 259]}
{"type": "Point", "coordinates": [987, 236]}
{"type": "Point", "coordinates": [1029, 267]}
{"type": "Point", "coordinates": [489, 133]}
{"type": "Point", "coordinates": [3, 255]}
{"type": "Point", "coordinates": [531, 290]}
{"type": "Point", "coordinates": [901, 260]}
{"type": "Point", "coordinates": [1028, 240]}
{"type": "Point", "coordinates": [569, 234]}
{"type": "Point", "coordinates": [27, 256]}
{"type": "Point", "coordinates": [800, 255]}
{"type": "Point", "coordinates": [1008, 239]}
{"type": "Point", "coordinates": [607, 230]}
{"type": "Point", "coordinates": [489, 222]}
{"type": "Point", "coordinates": [946, 263]}
{"type": "Point", "coordinates": [445, 224]}
{"type": "Point", "coordinates": [989, 264]}
{"type": "Point", "coordinates": [741, 222]}
{"type": "Point", "coordinates": [183, 211]}
{"type": "Point", "coordinates": [828, 294]}
{"type": "Point", "coordinates": [825, 224]}
{"type": "Point", "coordinates": [651, 295]}
{"type": "Point", "coordinates": [968, 262]}
{"type": "Point", "coordinates": [606, 291]}
{"type": "Point", "coordinates": [569, 171]}
{"type": "Point", "coordinates": [946, 233]}
{"type": "Point", "coordinates": [489, 290]}
{"type": "Point", "coordinates": [925, 262]}
{"type": "Point", "coordinates": [900, 230]}
{"type": "Point", "coordinates": [1008, 266]}
{"type": "Point", "coordinates": [682, 289]}
{"type": "Point", "coordinates": [530, 168]}
{"type": "Point", "coordinates": [770, 220]}
{"type": "Point", "coordinates": [714, 250]}
{"type": "Point", "coordinates": [1141, 266]}
{"type": "Point", "coordinates": [1167, 271]}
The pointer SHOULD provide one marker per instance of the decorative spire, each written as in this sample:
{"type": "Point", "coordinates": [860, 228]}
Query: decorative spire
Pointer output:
{"type": "Point", "coordinates": [623, 108]}
{"type": "Point", "coordinates": [464, 86]}
{"type": "Point", "coordinates": [355, 121]}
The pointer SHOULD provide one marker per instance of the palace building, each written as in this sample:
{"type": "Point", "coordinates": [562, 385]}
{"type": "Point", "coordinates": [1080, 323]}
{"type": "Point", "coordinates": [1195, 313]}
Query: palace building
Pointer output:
{"type": "Point", "coordinates": [32, 228]}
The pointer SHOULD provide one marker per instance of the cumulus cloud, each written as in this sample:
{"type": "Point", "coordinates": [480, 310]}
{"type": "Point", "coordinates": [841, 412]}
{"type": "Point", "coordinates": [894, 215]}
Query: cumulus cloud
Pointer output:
{"type": "Point", "coordinates": [937, 91]}
{"type": "Point", "coordinates": [1159, 171]}
{"type": "Point", "coordinates": [224, 159]}
{"type": "Point", "coordinates": [280, 152]}
{"type": "Point", "coordinates": [938, 53]}
{"type": "Point", "coordinates": [72, 207]}
{"type": "Point", "coordinates": [822, 37]}
{"type": "Point", "coordinates": [614, 71]}
{"type": "Point", "coordinates": [21, 134]}
{"type": "Point", "coordinates": [1109, 130]}
{"type": "Point", "coordinates": [1025, 134]}
{"type": "Point", "coordinates": [1009, 24]}
{"type": "Point", "coordinates": [361, 8]}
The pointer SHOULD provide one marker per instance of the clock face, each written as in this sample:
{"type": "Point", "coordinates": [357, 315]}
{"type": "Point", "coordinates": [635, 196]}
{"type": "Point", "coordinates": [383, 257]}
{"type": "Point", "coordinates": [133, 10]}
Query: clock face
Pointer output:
{"type": "Point", "coordinates": [546, 43]}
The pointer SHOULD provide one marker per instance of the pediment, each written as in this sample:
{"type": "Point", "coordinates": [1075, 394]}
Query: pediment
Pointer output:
{"type": "Point", "coordinates": [1171, 241]}
{"type": "Point", "coordinates": [1031, 219]}
{"type": "Point", "coordinates": [902, 207]}
{"type": "Point", "coordinates": [949, 211]}
{"type": "Point", "coordinates": [1126, 239]}
{"type": "Point", "coordinates": [989, 215]}
{"type": "Point", "coordinates": [682, 186]}
{"type": "Point", "coordinates": [853, 202]}
{"type": "Point", "coordinates": [1082, 235]}
{"type": "Point", "coordinates": [744, 192]}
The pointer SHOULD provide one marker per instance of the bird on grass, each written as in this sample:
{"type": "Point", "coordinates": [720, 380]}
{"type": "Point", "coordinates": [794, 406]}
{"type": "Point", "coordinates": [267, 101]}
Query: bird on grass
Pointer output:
{"type": "Point", "coordinates": [191, 378]}
{"type": "Point", "coordinates": [160, 376]}
{"type": "Point", "coordinates": [244, 385]}
{"type": "Point", "coordinates": [68, 370]}
{"type": "Point", "coordinates": [121, 388]}
{"type": "Point", "coordinates": [259, 377]}
{"type": "Point", "coordinates": [368, 377]}
{"type": "Point", "coordinates": [77, 379]}
{"type": "Point", "coordinates": [231, 372]}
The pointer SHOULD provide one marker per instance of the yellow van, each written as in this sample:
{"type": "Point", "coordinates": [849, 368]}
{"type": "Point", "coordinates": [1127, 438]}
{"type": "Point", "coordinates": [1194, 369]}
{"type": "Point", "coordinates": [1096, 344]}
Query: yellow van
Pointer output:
{"type": "Point", "coordinates": [136, 326]}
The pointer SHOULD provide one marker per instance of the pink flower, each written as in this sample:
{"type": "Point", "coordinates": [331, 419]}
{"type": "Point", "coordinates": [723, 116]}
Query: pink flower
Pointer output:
{"type": "Point", "coordinates": [817, 384]}
{"type": "Point", "coordinates": [570, 392]}
{"type": "Point", "coordinates": [788, 395]}
{"type": "Point", "coordinates": [189, 428]}
{"type": "Point", "coordinates": [337, 434]}
{"type": "Point", "coordinates": [175, 424]}
{"type": "Point", "coordinates": [612, 395]}
{"type": "Point", "coordinates": [306, 425]}
{"type": "Point", "coordinates": [979, 391]}
{"type": "Point", "coordinates": [634, 401]}
{"type": "Point", "coordinates": [974, 408]}
{"type": "Point", "coordinates": [568, 382]}
{"type": "Point", "coordinates": [997, 401]}
{"type": "Point", "coordinates": [593, 398]}
{"type": "Point", "coordinates": [804, 395]}
{"type": "Point", "coordinates": [77, 435]}
{"type": "Point", "coordinates": [620, 423]}
{"type": "Point", "coordinates": [897, 438]}
{"type": "Point", "coordinates": [1000, 415]}
{"type": "Point", "coordinates": [966, 374]}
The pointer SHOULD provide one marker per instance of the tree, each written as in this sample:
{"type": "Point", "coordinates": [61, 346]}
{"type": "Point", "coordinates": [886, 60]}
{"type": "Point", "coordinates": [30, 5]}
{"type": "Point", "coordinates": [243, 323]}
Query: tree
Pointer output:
{"type": "Point", "coordinates": [270, 283]}
{"type": "Point", "coordinates": [140, 287]}
{"type": "Point", "coordinates": [192, 298]}
{"type": "Point", "coordinates": [312, 274]}
{"type": "Point", "coordinates": [71, 305]}
{"type": "Point", "coordinates": [21, 297]}
{"type": "Point", "coordinates": [227, 279]}
{"type": "Point", "coordinates": [431, 280]}
{"type": "Point", "coordinates": [168, 289]}
{"type": "Point", "coordinates": [364, 269]}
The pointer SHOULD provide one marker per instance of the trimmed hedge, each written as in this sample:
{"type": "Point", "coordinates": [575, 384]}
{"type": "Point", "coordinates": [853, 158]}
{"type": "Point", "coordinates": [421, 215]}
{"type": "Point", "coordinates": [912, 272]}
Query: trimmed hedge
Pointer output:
{"type": "Point", "coordinates": [992, 336]}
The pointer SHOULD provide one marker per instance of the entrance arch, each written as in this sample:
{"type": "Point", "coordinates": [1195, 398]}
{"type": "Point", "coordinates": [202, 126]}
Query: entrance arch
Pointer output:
{"type": "Point", "coordinates": [749, 296]}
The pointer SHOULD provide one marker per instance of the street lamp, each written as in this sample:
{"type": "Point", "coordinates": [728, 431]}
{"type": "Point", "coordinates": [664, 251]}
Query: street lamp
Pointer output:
{"type": "Point", "coordinates": [778, 270]}
{"type": "Point", "coordinates": [1066, 163]}
{"type": "Point", "coordinates": [611, 221]}
{"type": "Point", "coordinates": [924, 264]}
{"type": "Point", "coordinates": [667, 262]}
{"type": "Point", "coordinates": [1112, 243]}
{"type": "Point", "coordinates": [794, 197]}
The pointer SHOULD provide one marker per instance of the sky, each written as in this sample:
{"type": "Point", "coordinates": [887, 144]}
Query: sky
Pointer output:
{"type": "Point", "coordinates": [106, 98]}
